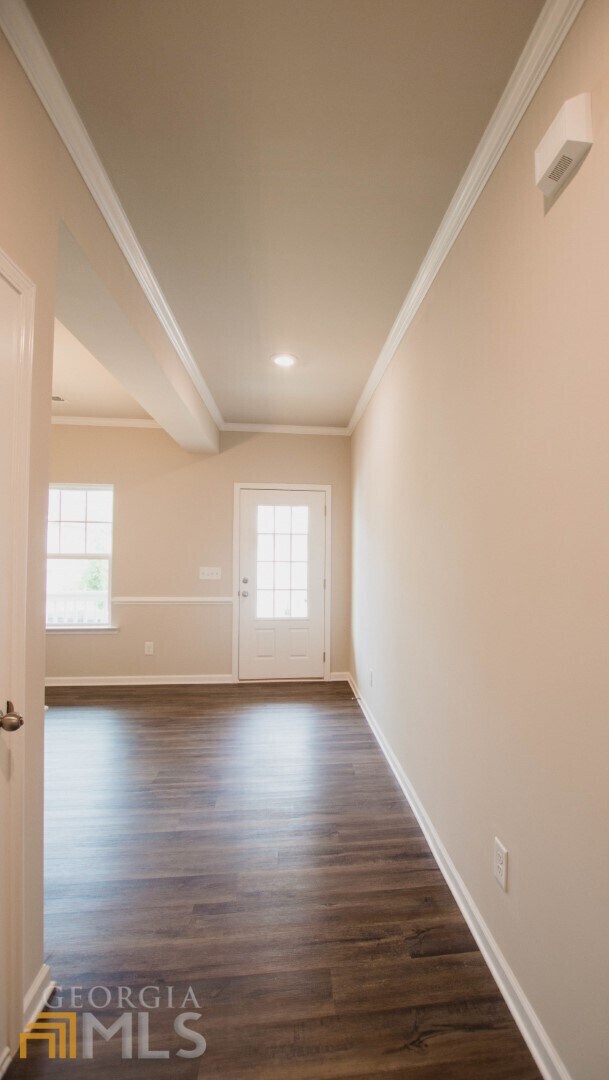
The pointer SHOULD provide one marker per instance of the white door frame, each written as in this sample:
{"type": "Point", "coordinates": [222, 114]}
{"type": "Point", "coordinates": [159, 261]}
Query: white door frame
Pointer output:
{"type": "Point", "coordinates": [327, 488]}
{"type": "Point", "coordinates": [19, 554]}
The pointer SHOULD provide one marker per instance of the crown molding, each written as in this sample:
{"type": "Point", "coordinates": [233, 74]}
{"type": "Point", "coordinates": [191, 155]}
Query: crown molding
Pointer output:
{"type": "Point", "coordinates": [286, 429]}
{"type": "Point", "coordinates": [550, 30]}
{"type": "Point", "coordinates": [268, 429]}
{"type": "Point", "coordinates": [104, 421]}
{"type": "Point", "coordinates": [29, 48]}
{"type": "Point", "coordinates": [548, 34]}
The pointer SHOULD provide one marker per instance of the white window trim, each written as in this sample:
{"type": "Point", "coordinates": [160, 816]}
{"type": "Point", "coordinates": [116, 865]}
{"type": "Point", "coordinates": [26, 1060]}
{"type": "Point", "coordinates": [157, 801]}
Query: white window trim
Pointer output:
{"type": "Point", "coordinates": [85, 628]}
{"type": "Point", "coordinates": [327, 488]}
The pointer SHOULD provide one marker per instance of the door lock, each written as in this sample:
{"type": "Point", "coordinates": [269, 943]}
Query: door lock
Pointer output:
{"type": "Point", "coordinates": [10, 720]}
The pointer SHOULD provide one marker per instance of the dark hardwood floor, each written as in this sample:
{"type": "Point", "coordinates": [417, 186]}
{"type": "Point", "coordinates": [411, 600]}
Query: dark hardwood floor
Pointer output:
{"type": "Point", "coordinates": [250, 842]}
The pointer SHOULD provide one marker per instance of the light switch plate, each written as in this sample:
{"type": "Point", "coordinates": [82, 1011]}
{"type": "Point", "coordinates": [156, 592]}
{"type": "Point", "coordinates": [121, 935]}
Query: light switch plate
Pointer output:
{"type": "Point", "coordinates": [210, 573]}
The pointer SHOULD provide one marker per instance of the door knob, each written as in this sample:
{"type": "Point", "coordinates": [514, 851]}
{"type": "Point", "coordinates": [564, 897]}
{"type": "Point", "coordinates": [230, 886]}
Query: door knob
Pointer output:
{"type": "Point", "coordinates": [245, 593]}
{"type": "Point", "coordinates": [245, 580]}
{"type": "Point", "coordinates": [10, 720]}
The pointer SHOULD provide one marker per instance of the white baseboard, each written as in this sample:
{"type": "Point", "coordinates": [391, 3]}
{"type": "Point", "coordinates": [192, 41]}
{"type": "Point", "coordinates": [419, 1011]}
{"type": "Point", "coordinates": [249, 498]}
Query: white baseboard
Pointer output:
{"type": "Point", "coordinates": [33, 1003]}
{"type": "Point", "coordinates": [169, 680]}
{"type": "Point", "coordinates": [532, 1030]}
{"type": "Point", "coordinates": [135, 680]}
{"type": "Point", "coordinates": [5, 1060]}
{"type": "Point", "coordinates": [37, 996]}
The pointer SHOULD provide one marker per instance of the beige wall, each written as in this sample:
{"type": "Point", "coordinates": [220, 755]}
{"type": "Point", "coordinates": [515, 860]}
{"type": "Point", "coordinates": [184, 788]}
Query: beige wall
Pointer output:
{"type": "Point", "coordinates": [480, 550]}
{"type": "Point", "coordinates": [174, 513]}
{"type": "Point", "coordinates": [40, 188]}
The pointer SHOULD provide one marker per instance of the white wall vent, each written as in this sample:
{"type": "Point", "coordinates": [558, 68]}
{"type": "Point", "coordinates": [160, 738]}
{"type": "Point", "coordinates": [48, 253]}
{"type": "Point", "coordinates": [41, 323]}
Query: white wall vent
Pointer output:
{"type": "Point", "coordinates": [564, 144]}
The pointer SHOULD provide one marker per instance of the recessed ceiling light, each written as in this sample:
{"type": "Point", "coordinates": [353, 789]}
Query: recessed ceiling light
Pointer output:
{"type": "Point", "coordinates": [284, 360]}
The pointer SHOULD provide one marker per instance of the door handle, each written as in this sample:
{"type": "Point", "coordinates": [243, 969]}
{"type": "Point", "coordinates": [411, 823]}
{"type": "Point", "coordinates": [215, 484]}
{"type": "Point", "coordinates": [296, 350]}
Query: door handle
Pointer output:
{"type": "Point", "coordinates": [10, 720]}
{"type": "Point", "coordinates": [245, 592]}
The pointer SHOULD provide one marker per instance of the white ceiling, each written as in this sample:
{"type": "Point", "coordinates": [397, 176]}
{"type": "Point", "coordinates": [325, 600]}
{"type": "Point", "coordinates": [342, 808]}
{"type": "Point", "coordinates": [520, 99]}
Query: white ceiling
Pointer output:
{"type": "Point", "coordinates": [88, 388]}
{"type": "Point", "coordinates": [285, 165]}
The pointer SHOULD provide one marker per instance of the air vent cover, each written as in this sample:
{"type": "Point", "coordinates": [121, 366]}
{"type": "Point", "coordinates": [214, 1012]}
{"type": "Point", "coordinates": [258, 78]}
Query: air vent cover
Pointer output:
{"type": "Point", "coordinates": [565, 143]}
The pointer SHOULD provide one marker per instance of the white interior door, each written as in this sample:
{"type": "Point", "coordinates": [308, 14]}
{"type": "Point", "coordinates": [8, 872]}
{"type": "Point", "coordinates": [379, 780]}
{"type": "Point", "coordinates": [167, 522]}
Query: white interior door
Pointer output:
{"type": "Point", "coordinates": [282, 558]}
{"type": "Point", "coordinates": [14, 394]}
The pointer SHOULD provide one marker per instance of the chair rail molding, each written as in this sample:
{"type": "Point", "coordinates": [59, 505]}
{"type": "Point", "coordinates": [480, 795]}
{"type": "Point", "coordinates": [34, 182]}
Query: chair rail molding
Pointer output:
{"type": "Point", "coordinates": [172, 599]}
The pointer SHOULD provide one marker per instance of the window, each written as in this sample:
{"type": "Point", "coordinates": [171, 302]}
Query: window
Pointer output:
{"type": "Point", "coordinates": [282, 562]}
{"type": "Point", "coordinates": [79, 555]}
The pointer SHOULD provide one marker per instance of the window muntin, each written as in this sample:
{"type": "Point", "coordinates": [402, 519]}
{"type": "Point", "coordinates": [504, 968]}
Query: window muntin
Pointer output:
{"type": "Point", "coordinates": [282, 564]}
{"type": "Point", "coordinates": [79, 555]}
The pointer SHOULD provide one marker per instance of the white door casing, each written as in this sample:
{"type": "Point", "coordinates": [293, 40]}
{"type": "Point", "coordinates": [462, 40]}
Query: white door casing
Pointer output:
{"type": "Point", "coordinates": [282, 610]}
{"type": "Point", "coordinates": [17, 295]}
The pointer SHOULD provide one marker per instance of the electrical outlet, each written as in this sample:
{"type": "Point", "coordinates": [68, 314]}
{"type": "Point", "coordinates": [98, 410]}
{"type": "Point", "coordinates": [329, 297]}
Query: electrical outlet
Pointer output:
{"type": "Point", "coordinates": [500, 863]}
{"type": "Point", "coordinates": [149, 648]}
{"type": "Point", "coordinates": [210, 573]}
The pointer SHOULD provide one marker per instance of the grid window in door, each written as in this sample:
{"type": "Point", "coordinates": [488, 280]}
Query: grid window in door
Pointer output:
{"type": "Point", "coordinates": [282, 562]}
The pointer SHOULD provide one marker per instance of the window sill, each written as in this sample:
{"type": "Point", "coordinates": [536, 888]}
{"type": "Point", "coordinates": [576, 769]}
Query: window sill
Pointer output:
{"type": "Point", "coordinates": [82, 629]}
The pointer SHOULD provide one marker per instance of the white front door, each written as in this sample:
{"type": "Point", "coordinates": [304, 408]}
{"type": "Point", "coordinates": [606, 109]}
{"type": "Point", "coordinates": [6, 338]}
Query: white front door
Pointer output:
{"type": "Point", "coordinates": [282, 558]}
{"type": "Point", "coordinates": [14, 394]}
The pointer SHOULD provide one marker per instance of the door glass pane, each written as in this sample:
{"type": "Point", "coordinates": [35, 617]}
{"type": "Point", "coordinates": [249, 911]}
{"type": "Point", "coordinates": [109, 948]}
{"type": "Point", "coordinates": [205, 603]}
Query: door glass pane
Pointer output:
{"type": "Point", "coordinates": [300, 546]}
{"type": "Point", "coordinates": [300, 519]}
{"type": "Point", "coordinates": [266, 519]}
{"type": "Point", "coordinates": [282, 563]}
{"type": "Point", "coordinates": [265, 575]}
{"type": "Point", "coordinates": [266, 551]}
{"type": "Point", "coordinates": [282, 604]}
{"type": "Point", "coordinates": [283, 519]}
{"type": "Point", "coordinates": [282, 575]}
{"type": "Point", "coordinates": [299, 575]}
{"type": "Point", "coordinates": [282, 548]}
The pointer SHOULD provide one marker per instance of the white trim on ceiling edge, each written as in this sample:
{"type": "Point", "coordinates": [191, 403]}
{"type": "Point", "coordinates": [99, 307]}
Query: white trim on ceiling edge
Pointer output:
{"type": "Point", "coordinates": [550, 30]}
{"type": "Point", "coordinates": [287, 429]}
{"type": "Point", "coordinates": [124, 422]}
{"type": "Point", "coordinates": [548, 34]}
{"type": "Point", "coordinates": [28, 45]}
{"type": "Point", "coordinates": [532, 1030]}
{"type": "Point", "coordinates": [104, 421]}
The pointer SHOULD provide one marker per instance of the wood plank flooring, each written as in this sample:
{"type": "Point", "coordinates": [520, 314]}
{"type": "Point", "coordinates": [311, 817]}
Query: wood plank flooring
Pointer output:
{"type": "Point", "coordinates": [250, 842]}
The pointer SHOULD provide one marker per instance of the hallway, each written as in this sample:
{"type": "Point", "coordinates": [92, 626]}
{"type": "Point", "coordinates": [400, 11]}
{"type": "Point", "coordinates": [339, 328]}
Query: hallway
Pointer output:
{"type": "Point", "coordinates": [250, 842]}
